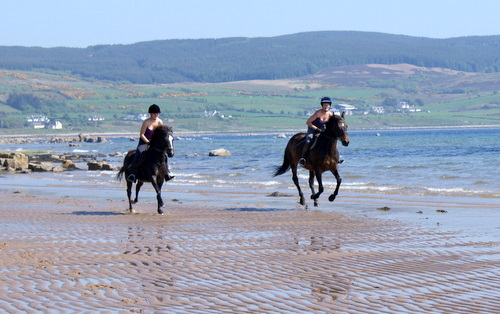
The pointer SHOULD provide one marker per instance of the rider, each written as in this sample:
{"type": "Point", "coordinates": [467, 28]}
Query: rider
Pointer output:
{"type": "Point", "coordinates": [315, 125]}
{"type": "Point", "coordinates": [146, 132]}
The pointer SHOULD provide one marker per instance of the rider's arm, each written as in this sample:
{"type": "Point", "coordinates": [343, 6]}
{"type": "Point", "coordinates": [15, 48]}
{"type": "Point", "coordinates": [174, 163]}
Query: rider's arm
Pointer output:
{"type": "Point", "coordinates": [311, 119]}
{"type": "Point", "coordinates": [142, 135]}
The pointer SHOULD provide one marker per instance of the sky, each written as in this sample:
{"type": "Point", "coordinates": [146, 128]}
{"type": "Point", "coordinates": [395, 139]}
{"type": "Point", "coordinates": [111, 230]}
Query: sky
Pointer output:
{"type": "Point", "coordinates": [83, 23]}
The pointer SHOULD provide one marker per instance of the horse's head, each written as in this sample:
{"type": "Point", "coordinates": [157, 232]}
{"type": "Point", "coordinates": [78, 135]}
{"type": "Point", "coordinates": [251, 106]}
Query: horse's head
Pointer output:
{"type": "Point", "coordinates": [337, 128]}
{"type": "Point", "coordinates": [163, 138]}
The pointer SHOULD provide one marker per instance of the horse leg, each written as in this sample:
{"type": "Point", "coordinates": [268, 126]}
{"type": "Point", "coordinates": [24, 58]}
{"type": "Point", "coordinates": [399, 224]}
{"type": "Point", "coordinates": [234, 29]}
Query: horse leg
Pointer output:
{"type": "Point", "coordinates": [295, 179]}
{"type": "Point", "coordinates": [137, 189]}
{"type": "Point", "coordinates": [157, 184]}
{"type": "Point", "coordinates": [129, 195]}
{"type": "Point", "coordinates": [311, 186]}
{"type": "Point", "coordinates": [319, 178]}
{"type": "Point", "coordinates": [339, 181]}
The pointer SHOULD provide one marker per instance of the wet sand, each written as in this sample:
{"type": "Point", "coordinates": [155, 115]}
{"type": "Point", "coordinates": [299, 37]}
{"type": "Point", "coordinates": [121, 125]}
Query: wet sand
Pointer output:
{"type": "Point", "coordinates": [65, 254]}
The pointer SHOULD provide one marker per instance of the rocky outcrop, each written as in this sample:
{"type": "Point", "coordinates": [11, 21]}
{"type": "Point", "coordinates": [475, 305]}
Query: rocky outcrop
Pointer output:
{"type": "Point", "coordinates": [69, 164]}
{"type": "Point", "coordinates": [99, 165]}
{"type": "Point", "coordinates": [43, 168]}
{"type": "Point", "coordinates": [219, 152]}
{"type": "Point", "coordinates": [81, 138]}
{"type": "Point", "coordinates": [14, 161]}
{"type": "Point", "coordinates": [19, 162]}
{"type": "Point", "coordinates": [91, 139]}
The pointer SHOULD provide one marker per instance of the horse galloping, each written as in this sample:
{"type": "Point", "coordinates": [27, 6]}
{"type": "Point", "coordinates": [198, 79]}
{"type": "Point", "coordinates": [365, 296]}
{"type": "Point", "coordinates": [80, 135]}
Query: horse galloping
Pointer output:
{"type": "Point", "coordinates": [152, 165]}
{"type": "Point", "coordinates": [323, 156]}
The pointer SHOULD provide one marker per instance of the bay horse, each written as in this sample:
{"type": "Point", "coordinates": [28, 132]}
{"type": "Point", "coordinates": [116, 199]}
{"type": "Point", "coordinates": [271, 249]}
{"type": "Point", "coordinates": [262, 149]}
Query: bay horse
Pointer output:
{"type": "Point", "coordinates": [152, 165]}
{"type": "Point", "coordinates": [323, 156]}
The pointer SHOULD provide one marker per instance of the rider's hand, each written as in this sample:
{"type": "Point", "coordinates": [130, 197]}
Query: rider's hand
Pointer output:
{"type": "Point", "coordinates": [320, 130]}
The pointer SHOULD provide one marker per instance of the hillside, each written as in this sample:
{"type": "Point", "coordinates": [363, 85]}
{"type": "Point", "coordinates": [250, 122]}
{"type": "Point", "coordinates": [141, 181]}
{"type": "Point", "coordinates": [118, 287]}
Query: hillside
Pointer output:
{"type": "Point", "coordinates": [444, 98]}
{"type": "Point", "coordinates": [236, 59]}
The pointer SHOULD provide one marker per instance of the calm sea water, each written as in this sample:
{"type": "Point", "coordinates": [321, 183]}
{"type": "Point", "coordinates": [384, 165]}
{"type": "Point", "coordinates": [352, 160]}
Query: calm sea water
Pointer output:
{"type": "Point", "coordinates": [411, 171]}
{"type": "Point", "coordinates": [414, 163]}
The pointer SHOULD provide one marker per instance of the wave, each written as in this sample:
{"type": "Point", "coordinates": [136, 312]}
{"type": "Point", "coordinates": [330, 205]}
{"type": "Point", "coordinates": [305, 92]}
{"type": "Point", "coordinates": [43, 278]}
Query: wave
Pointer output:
{"type": "Point", "coordinates": [449, 177]}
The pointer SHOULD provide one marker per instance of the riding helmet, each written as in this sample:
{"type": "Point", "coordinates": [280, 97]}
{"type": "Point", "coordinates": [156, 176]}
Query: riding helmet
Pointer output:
{"type": "Point", "coordinates": [326, 99]}
{"type": "Point", "coordinates": [154, 109]}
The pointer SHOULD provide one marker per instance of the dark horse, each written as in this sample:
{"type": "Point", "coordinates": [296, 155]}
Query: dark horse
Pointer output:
{"type": "Point", "coordinates": [323, 156]}
{"type": "Point", "coordinates": [152, 165]}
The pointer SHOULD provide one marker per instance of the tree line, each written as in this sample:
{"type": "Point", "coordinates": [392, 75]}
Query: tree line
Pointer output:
{"type": "Point", "coordinates": [240, 58]}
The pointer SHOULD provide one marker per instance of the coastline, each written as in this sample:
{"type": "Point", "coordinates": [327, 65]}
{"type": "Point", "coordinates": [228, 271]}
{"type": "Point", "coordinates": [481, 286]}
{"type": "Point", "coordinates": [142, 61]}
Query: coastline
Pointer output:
{"type": "Point", "coordinates": [211, 253]}
{"type": "Point", "coordinates": [12, 138]}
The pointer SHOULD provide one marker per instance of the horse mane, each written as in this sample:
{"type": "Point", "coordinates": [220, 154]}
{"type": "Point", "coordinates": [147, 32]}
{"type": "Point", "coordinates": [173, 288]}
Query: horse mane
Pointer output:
{"type": "Point", "coordinates": [331, 123]}
{"type": "Point", "coordinates": [160, 132]}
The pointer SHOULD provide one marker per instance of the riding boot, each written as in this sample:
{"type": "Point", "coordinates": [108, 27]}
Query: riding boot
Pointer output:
{"type": "Point", "coordinates": [305, 152]}
{"type": "Point", "coordinates": [168, 176]}
{"type": "Point", "coordinates": [133, 167]}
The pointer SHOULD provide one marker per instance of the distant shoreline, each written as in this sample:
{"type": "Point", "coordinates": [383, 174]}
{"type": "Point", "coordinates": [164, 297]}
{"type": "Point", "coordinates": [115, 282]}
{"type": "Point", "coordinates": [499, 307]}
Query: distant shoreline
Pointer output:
{"type": "Point", "coordinates": [8, 138]}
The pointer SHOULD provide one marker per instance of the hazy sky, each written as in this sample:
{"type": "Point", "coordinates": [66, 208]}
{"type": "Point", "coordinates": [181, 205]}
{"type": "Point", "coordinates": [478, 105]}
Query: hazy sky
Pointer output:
{"type": "Point", "coordinates": [82, 23]}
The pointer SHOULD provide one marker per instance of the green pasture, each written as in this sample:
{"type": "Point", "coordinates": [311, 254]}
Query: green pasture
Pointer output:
{"type": "Point", "coordinates": [245, 106]}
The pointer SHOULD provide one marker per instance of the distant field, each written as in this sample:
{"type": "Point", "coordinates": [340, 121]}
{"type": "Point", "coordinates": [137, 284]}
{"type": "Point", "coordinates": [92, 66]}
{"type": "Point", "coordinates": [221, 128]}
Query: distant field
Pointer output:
{"type": "Point", "coordinates": [242, 106]}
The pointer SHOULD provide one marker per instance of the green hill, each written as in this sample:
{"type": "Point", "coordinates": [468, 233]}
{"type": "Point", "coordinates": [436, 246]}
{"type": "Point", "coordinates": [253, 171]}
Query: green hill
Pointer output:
{"type": "Point", "coordinates": [233, 59]}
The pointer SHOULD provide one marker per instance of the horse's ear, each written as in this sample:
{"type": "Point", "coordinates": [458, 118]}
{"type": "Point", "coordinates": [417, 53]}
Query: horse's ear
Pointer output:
{"type": "Point", "coordinates": [343, 114]}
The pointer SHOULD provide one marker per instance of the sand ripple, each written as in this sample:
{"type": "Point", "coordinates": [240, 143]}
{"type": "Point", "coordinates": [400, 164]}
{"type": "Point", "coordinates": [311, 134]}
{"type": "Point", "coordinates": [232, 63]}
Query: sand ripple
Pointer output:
{"type": "Point", "coordinates": [65, 255]}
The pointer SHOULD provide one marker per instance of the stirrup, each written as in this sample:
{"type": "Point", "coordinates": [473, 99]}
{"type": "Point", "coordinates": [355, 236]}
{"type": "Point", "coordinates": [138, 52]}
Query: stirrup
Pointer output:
{"type": "Point", "coordinates": [302, 162]}
{"type": "Point", "coordinates": [131, 178]}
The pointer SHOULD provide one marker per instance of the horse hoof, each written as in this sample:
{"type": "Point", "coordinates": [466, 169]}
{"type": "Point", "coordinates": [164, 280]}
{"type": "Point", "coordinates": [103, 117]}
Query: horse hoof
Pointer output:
{"type": "Point", "coordinates": [160, 211]}
{"type": "Point", "coordinates": [331, 198]}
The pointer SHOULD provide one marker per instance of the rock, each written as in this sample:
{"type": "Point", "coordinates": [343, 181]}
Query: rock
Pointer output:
{"type": "Point", "coordinates": [89, 139]}
{"type": "Point", "coordinates": [99, 165]}
{"type": "Point", "coordinates": [118, 154]}
{"type": "Point", "coordinates": [15, 161]}
{"type": "Point", "coordinates": [57, 140]}
{"type": "Point", "coordinates": [219, 152]}
{"type": "Point", "coordinates": [68, 164]}
{"type": "Point", "coordinates": [40, 167]}
{"type": "Point", "coordinates": [281, 136]}
{"type": "Point", "coordinates": [279, 194]}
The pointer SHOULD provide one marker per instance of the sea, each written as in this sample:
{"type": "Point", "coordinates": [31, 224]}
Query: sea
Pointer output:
{"type": "Point", "coordinates": [391, 174]}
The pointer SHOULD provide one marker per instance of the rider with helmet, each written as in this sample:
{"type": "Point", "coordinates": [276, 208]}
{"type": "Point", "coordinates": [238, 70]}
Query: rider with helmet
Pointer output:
{"type": "Point", "coordinates": [145, 134]}
{"type": "Point", "coordinates": [316, 124]}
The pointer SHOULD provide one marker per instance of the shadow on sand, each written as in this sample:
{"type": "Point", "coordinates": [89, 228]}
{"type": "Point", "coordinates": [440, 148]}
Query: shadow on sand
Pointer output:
{"type": "Point", "coordinates": [255, 209]}
{"type": "Point", "coordinates": [97, 213]}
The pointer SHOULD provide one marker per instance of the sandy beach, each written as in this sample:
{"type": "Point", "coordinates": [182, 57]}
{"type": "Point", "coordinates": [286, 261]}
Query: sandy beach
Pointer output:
{"type": "Point", "coordinates": [66, 254]}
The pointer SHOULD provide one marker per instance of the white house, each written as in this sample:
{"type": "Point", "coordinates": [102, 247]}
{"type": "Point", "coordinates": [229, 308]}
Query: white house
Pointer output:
{"type": "Point", "coordinates": [378, 109]}
{"type": "Point", "coordinates": [37, 119]}
{"type": "Point", "coordinates": [95, 118]}
{"type": "Point", "coordinates": [54, 125]}
{"type": "Point", "coordinates": [339, 108]}
{"type": "Point", "coordinates": [404, 107]}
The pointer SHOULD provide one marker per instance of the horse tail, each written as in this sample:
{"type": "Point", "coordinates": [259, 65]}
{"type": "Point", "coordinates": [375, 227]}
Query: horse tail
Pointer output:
{"type": "Point", "coordinates": [119, 175]}
{"type": "Point", "coordinates": [126, 163]}
{"type": "Point", "coordinates": [284, 167]}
